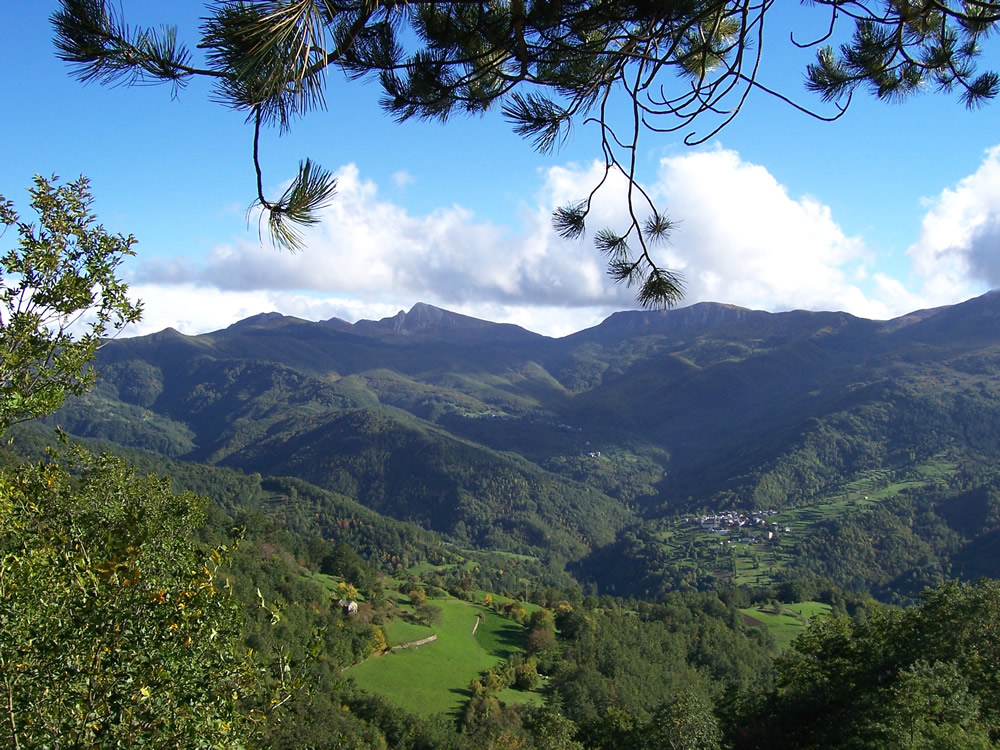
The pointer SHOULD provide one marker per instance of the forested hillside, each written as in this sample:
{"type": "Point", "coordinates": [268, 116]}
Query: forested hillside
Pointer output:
{"type": "Point", "coordinates": [505, 440]}
{"type": "Point", "coordinates": [687, 529]}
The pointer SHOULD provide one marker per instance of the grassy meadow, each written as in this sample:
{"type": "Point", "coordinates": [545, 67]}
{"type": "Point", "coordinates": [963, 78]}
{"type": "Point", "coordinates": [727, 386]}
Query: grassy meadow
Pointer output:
{"type": "Point", "coordinates": [787, 624]}
{"type": "Point", "coordinates": [434, 678]}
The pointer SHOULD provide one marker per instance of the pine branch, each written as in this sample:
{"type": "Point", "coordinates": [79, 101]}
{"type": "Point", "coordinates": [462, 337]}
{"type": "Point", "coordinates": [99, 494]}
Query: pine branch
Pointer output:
{"type": "Point", "coordinates": [537, 118]}
{"type": "Point", "coordinates": [100, 47]}
{"type": "Point", "coordinates": [311, 190]}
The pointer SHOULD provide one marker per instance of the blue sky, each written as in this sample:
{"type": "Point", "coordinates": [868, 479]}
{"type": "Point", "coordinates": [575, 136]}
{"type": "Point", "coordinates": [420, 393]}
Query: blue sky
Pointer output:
{"type": "Point", "coordinates": [889, 209]}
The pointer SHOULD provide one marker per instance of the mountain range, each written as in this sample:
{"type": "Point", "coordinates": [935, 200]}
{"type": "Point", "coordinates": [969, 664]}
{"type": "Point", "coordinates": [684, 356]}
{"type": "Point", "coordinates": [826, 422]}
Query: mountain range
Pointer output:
{"type": "Point", "coordinates": [500, 438]}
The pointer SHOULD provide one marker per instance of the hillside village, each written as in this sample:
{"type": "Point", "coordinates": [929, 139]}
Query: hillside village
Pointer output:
{"type": "Point", "coordinates": [753, 525]}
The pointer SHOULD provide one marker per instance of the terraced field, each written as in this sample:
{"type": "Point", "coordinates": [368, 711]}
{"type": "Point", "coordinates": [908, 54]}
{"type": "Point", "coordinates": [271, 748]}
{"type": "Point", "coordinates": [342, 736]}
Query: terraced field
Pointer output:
{"type": "Point", "coordinates": [760, 563]}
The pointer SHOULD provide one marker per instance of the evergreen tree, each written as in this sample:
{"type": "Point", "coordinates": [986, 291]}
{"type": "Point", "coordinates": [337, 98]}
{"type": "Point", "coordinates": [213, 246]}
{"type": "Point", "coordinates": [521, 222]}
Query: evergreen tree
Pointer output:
{"type": "Point", "coordinates": [653, 65]}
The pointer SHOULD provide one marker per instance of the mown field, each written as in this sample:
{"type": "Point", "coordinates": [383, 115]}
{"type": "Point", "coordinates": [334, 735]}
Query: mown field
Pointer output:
{"type": "Point", "coordinates": [434, 678]}
{"type": "Point", "coordinates": [787, 624]}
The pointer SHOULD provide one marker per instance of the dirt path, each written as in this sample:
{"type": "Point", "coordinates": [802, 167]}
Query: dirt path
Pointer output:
{"type": "Point", "coordinates": [415, 644]}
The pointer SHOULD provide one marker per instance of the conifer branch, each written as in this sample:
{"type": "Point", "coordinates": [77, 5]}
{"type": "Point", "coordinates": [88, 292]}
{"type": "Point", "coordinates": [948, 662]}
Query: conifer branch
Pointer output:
{"type": "Point", "coordinates": [684, 66]}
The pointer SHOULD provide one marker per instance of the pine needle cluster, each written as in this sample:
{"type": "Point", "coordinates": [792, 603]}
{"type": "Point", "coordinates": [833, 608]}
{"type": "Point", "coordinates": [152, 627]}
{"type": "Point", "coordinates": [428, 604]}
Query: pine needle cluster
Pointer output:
{"type": "Point", "coordinates": [628, 68]}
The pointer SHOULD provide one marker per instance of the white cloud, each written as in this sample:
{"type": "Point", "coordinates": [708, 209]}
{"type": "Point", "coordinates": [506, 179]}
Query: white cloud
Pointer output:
{"type": "Point", "coordinates": [369, 247]}
{"type": "Point", "coordinates": [402, 178]}
{"type": "Point", "coordinates": [740, 238]}
{"type": "Point", "coordinates": [193, 309]}
{"type": "Point", "coordinates": [958, 249]}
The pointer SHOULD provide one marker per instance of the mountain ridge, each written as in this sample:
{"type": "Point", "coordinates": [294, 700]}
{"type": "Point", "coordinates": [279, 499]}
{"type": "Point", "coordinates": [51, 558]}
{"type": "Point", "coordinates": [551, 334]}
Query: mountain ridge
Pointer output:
{"type": "Point", "coordinates": [508, 440]}
{"type": "Point", "coordinates": [427, 320]}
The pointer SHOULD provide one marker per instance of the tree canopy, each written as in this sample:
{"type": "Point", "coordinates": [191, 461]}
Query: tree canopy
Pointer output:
{"type": "Point", "coordinates": [115, 629]}
{"type": "Point", "coordinates": [59, 294]}
{"type": "Point", "coordinates": [920, 677]}
{"type": "Point", "coordinates": [546, 65]}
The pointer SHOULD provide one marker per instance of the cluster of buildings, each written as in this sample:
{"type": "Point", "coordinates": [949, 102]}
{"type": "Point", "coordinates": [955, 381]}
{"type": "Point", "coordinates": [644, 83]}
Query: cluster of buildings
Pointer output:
{"type": "Point", "coordinates": [753, 526]}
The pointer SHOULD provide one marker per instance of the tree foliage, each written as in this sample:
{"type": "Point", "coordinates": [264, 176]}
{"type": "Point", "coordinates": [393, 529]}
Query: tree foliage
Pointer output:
{"type": "Point", "coordinates": [684, 723]}
{"type": "Point", "coordinates": [59, 295]}
{"type": "Point", "coordinates": [115, 629]}
{"type": "Point", "coordinates": [650, 66]}
{"type": "Point", "coordinates": [921, 677]}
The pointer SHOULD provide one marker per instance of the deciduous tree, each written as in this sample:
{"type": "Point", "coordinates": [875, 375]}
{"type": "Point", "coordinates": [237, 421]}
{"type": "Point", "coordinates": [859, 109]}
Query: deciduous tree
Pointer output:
{"type": "Point", "coordinates": [920, 677]}
{"type": "Point", "coordinates": [684, 723]}
{"type": "Point", "coordinates": [115, 629]}
{"type": "Point", "coordinates": [59, 295]}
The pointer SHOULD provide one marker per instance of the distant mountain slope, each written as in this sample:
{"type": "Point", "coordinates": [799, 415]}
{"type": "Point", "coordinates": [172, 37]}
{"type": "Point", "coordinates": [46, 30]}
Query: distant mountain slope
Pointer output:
{"type": "Point", "coordinates": [283, 396]}
{"type": "Point", "coordinates": [407, 469]}
{"type": "Point", "coordinates": [507, 439]}
{"type": "Point", "coordinates": [427, 320]}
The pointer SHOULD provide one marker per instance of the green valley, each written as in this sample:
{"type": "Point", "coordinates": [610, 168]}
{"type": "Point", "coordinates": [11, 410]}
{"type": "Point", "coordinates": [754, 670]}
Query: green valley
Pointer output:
{"type": "Point", "coordinates": [657, 515]}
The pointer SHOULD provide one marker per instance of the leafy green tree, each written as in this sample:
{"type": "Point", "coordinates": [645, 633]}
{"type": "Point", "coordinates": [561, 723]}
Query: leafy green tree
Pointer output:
{"type": "Point", "coordinates": [115, 630]}
{"type": "Point", "coordinates": [541, 618]}
{"type": "Point", "coordinates": [684, 723]}
{"type": "Point", "coordinates": [920, 677]}
{"type": "Point", "coordinates": [553, 731]}
{"type": "Point", "coordinates": [629, 67]}
{"type": "Point", "coordinates": [930, 706]}
{"type": "Point", "coordinates": [613, 728]}
{"type": "Point", "coordinates": [526, 675]}
{"type": "Point", "coordinates": [59, 295]}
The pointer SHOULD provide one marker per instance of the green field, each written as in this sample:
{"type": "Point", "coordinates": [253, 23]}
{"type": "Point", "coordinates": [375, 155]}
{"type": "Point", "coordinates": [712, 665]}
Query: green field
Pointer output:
{"type": "Point", "coordinates": [501, 599]}
{"type": "Point", "coordinates": [434, 678]}
{"type": "Point", "coordinates": [809, 610]}
{"type": "Point", "coordinates": [424, 567]}
{"type": "Point", "coordinates": [786, 626]}
{"type": "Point", "coordinates": [400, 631]}
{"type": "Point", "coordinates": [510, 695]}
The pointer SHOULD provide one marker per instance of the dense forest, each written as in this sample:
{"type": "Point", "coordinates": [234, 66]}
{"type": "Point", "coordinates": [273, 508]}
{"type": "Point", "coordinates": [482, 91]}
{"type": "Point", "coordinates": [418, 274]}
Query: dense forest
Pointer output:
{"type": "Point", "coordinates": [579, 452]}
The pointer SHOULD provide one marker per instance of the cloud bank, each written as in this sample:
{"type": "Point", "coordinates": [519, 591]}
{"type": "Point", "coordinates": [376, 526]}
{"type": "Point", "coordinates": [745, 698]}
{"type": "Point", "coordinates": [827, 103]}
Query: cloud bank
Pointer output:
{"type": "Point", "coordinates": [740, 238]}
{"type": "Point", "coordinates": [960, 235]}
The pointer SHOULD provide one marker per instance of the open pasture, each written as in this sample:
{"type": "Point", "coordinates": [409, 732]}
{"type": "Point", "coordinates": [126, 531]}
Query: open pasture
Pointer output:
{"type": "Point", "coordinates": [434, 678]}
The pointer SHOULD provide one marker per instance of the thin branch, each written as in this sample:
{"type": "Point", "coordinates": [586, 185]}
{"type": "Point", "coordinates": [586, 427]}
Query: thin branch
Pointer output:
{"type": "Point", "coordinates": [256, 160]}
{"type": "Point", "coordinates": [10, 705]}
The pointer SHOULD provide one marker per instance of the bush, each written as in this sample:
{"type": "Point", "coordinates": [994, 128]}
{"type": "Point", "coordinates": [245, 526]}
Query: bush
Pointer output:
{"type": "Point", "coordinates": [124, 631]}
{"type": "Point", "coordinates": [526, 676]}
